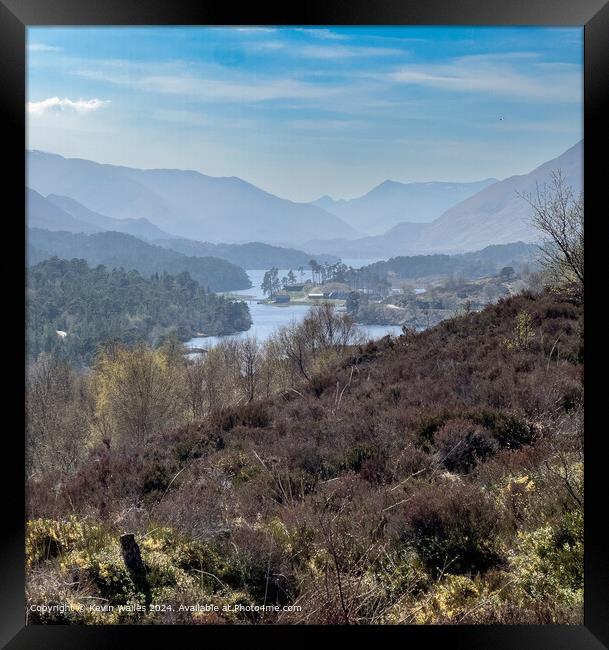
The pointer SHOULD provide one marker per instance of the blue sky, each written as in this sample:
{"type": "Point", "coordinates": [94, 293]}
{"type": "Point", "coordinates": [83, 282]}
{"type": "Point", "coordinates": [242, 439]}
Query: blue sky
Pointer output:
{"type": "Point", "coordinates": [303, 112]}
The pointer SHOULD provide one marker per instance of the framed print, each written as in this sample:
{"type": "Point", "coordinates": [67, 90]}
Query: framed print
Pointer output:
{"type": "Point", "coordinates": [304, 322]}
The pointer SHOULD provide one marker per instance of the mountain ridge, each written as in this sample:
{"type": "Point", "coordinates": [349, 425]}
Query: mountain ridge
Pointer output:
{"type": "Point", "coordinates": [57, 213]}
{"type": "Point", "coordinates": [141, 227]}
{"type": "Point", "coordinates": [494, 215]}
{"type": "Point", "coordinates": [498, 214]}
{"type": "Point", "coordinates": [186, 202]}
{"type": "Point", "coordinates": [387, 203]}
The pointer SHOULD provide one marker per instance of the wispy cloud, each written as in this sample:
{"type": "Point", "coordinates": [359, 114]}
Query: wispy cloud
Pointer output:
{"type": "Point", "coordinates": [499, 75]}
{"type": "Point", "coordinates": [346, 51]}
{"type": "Point", "coordinates": [322, 51]}
{"type": "Point", "coordinates": [266, 46]}
{"type": "Point", "coordinates": [191, 118]}
{"type": "Point", "coordinates": [255, 29]}
{"type": "Point", "coordinates": [55, 104]}
{"type": "Point", "coordinates": [326, 34]}
{"type": "Point", "coordinates": [42, 47]}
{"type": "Point", "coordinates": [175, 79]}
{"type": "Point", "coordinates": [223, 90]}
{"type": "Point", "coordinates": [324, 124]}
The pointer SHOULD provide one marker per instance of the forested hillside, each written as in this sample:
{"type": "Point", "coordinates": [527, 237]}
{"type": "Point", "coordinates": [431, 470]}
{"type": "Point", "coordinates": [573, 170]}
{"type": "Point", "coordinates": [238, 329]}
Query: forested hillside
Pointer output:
{"type": "Point", "coordinates": [432, 478]}
{"type": "Point", "coordinates": [117, 249]}
{"type": "Point", "coordinates": [253, 255]}
{"type": "Point", "coordinates": [487, 261]}
{"type": "Point", "coordinates": [93, 306]}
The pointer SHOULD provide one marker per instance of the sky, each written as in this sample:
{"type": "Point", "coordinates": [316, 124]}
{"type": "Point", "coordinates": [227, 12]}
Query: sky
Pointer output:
{"type": "Point", "coordinates": [304, 112]}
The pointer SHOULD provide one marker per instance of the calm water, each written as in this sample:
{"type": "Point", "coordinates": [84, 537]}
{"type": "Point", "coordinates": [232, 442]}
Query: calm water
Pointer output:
{"type": "Point", "coordinates": [267, 319]}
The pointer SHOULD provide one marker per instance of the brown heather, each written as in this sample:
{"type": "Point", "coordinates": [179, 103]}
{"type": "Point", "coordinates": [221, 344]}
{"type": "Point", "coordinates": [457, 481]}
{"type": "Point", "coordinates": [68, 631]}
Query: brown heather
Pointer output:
{"type": "Point", "coordinates": [432, 478]}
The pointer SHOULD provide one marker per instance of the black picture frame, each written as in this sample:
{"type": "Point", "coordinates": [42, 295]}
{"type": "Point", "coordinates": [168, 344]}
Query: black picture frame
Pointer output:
{"type": "Point", "coordinates": [17, 15]}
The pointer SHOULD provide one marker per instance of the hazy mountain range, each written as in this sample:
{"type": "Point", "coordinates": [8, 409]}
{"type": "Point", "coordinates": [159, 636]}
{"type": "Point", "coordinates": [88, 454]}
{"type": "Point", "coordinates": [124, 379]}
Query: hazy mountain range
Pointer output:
{"type": "Point", "coordinates": [171, 207]}
{"type": "Point", "coordinates": [138, 227]}
{"type": "Point", "coordinates": [391, 203]}
{"type": "Point", "coordinates": [497, 214]}
{"type": "Point", "coordinates": [399, 240]}
{"type": "Point", "coordinates": [186, 203]}
{"type": "Point", "coordinates": [56, 212]}
{"type": "Point", "coordinates": [62, 214]}
{"type": "Point", "coordinates": [41, 213]}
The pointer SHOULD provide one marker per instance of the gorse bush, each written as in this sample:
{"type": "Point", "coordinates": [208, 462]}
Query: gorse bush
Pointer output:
{"type": "Point", "coordinates": [176, 569]}
{"type": "Point", "coordinates": [523, 332]}
{"type": "Point", "coordinates": [47, 538]}
{"type": "Point", "coordinates": [549, 562]}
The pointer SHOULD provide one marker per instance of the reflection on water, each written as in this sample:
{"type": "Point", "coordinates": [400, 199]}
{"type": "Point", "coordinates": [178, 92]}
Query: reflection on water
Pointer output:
{"type": "Point", "coordinates": [267, 319]}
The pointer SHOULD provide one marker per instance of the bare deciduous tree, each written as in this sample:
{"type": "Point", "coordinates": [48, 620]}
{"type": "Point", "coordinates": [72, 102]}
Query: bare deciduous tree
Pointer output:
{"type": "Point", "coordinates": [559, 215]}
{"type": "Point", "coordinates": [58, 413]}
{"type": "Point", "coordinates": [249, 356]}
{"type": "Point", "coordinates": [196, 387]}
{"type": "Point", "coordinates": [324, 331]}
{"type": "Point", "coordinates": [295, 347]}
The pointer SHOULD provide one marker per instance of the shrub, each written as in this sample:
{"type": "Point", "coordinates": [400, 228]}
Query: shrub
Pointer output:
{"type": "Point", "coordinates": [461, 444]}
{"type": "Point", "coordinates": [424, 426]}
{"type": "Point", "coordinates": [523, 332]}
{"type": "Point", "coordinates": [454, 529]}
{"type": "Point", "coordinates": [253, 415]}
{"type": "Point", "coordinates": [508, 429]}
{"type": "Point", "coordinates": [108, 573]}
{"type": "Point", "coordinates": [412, 461]}
{"type": "Point", "coordinates": [356, 456]}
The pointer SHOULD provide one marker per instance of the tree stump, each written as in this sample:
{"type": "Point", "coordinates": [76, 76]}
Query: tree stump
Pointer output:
{"type": "Point", "coordinates": [134, 564]}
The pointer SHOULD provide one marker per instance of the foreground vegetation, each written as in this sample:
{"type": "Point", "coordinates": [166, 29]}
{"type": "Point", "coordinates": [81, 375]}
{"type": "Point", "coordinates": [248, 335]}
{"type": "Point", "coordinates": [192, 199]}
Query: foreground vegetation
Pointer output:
{"type": "Point", "coordinates": [92, 306]}
{"type": "Point", "coordinates": [432, 478]}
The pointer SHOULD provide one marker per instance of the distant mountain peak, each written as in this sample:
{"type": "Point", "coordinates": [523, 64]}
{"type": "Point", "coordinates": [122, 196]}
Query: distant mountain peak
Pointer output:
{"type": "Point", "coordinates": [388, 183]}
{"type": "Point", "coordinates": [392, 202]}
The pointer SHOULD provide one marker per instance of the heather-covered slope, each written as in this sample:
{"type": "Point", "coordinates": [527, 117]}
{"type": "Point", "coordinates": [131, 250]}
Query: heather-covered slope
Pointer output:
{"type": "Point", "coordinates": [436, 478]}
